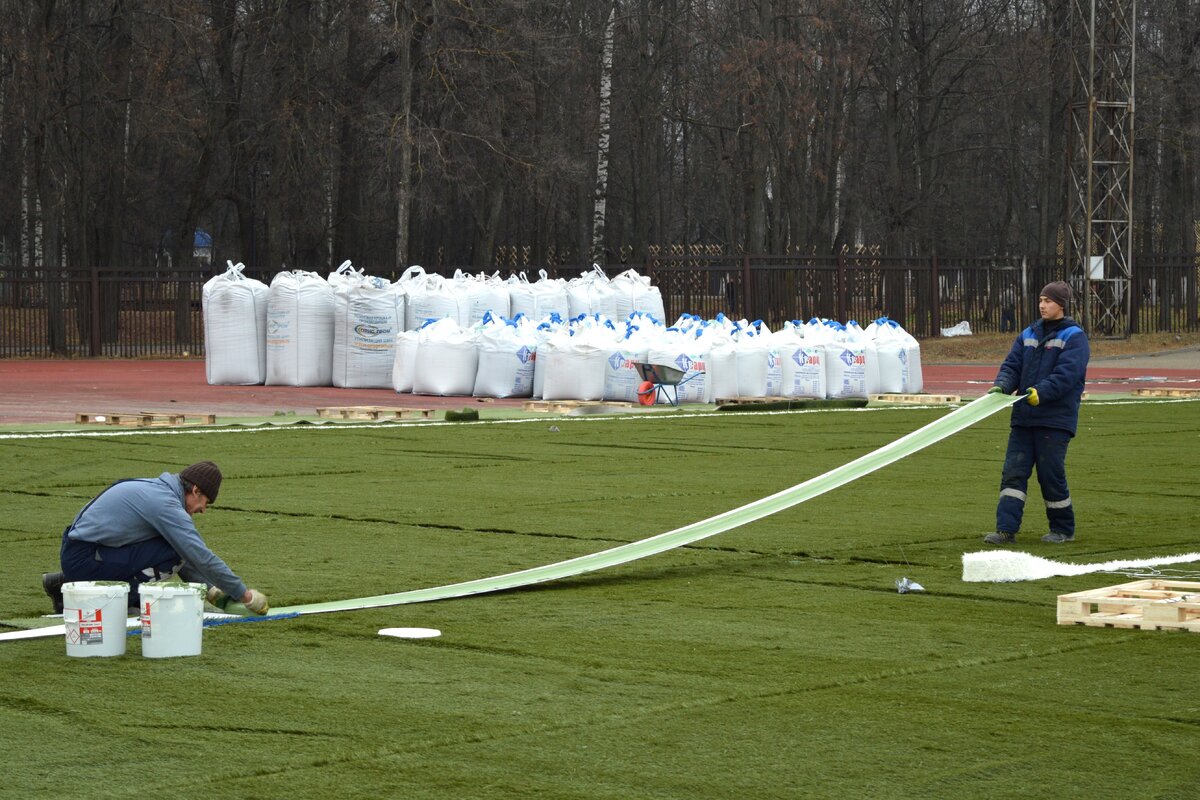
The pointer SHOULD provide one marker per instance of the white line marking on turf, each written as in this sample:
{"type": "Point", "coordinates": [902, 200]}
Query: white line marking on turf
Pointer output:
{"type": "Point", "coordinates": [557, 420]}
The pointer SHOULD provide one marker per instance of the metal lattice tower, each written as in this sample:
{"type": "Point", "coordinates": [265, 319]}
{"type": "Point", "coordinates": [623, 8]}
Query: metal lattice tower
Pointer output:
{"type": "Point", "coordinates": [1099, 241]}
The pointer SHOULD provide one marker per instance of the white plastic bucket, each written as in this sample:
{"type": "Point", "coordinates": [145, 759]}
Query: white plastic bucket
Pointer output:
{"type": "Point", "coordinates": [94, 615]}
{"type": "Point", "coordinates": [172, 619]}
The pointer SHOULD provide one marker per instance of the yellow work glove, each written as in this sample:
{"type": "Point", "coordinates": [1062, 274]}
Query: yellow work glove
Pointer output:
{"type": "Point", "coordinates": [1032, 396]}
{"type": "Point", "coordinates": [996, 390]}
{"type": "Point", "coordinates": [216, 598]}
{"type": "Point", "coordinates": [258, 603]}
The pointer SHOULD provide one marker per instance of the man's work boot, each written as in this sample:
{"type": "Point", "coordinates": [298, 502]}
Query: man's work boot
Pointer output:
{"type": "Point", "coordinates": [1058, 537]}
{"type": "Point", "coordinates": [1000, 537]}
{"type": "Point", "coordinates": [52, 584]}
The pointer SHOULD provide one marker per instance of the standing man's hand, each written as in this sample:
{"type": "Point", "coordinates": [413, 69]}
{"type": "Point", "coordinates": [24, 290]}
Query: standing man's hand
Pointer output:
{"type": "Point", "coordinates": [996, 390]}
{"type": "Point", "coordinates": [1032, 396]}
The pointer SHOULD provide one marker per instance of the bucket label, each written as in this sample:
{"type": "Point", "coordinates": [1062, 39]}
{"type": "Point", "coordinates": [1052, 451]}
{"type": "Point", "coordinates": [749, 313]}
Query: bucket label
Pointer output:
{"type": "Point", "coordinates": [87, 628]}
{"type": "Point", "coordinates": [146, 621]}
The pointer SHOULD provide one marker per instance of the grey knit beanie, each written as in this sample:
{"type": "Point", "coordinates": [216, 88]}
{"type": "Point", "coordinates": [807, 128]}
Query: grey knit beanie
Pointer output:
{"type": "Point", "coordinates": [1059, 292]}
{"type": "Point", "coordinates": [206, 476]}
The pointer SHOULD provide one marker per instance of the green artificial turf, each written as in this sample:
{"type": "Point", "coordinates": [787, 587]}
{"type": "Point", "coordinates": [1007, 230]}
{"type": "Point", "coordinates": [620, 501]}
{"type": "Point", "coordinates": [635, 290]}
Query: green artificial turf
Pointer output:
{"type": "Point", "coordinates": [775, 660]}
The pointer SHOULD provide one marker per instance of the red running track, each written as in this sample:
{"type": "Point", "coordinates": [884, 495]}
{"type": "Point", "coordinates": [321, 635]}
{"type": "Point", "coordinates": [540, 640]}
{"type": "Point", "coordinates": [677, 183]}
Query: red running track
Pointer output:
{"type": "Point", "coordinates": [56, 390]}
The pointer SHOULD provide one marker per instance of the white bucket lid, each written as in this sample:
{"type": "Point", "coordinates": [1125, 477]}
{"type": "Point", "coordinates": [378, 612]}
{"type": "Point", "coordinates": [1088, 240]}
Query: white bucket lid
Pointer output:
{"type": "Point", "coordinates": [164, 590]}
{"type": "Point", "coordinates": [96, 588]}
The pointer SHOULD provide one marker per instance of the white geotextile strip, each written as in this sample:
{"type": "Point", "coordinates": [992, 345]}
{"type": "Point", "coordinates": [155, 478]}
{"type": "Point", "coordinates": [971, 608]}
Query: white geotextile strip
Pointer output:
{"type": "Point", "coordinates": [1001, 566]}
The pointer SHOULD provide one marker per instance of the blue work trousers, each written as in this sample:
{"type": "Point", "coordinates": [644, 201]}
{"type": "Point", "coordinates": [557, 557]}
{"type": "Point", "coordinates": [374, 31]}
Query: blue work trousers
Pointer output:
{"type": "Point", "coordinates": [1043, 449]}
{"type": "Point", "coordinates": [134, 563]}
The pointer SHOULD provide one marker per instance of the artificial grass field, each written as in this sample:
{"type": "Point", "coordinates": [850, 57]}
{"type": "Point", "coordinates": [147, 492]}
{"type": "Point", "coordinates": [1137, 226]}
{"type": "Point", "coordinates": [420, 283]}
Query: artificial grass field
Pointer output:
{"type": "Point", "coordinates": [775, 660]}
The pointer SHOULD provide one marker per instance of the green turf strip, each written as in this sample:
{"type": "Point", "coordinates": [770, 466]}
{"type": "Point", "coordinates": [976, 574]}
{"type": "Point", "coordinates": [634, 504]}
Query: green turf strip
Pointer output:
{"type": "Point", "coordinates": [907, 445]}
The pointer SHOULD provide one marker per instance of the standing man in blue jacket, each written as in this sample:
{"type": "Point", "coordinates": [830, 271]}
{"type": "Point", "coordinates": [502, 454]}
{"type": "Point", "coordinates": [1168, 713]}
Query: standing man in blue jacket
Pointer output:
{"type": "Point", "coordinates": [141, 530]}
{"type": "Point", "coordinates": [1047, 363]}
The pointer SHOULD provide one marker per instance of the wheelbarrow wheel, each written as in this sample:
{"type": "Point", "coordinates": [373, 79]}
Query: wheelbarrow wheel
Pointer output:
{"type": "Point", "coordinates": [646, 392]}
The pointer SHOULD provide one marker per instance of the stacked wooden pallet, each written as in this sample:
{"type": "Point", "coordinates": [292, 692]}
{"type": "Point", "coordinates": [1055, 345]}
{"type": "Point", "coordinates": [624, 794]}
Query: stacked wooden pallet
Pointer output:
{"type": "Point", "coordinates": [1154, 604]}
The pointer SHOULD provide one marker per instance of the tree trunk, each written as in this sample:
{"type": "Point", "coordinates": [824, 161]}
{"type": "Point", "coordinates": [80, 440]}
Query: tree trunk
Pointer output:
{"type": "Point", "coordinates": [600, 197]}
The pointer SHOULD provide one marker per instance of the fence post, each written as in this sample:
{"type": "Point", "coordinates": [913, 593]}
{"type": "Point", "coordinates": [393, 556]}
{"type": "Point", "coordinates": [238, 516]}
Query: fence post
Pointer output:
{"type": "Point", "coordinates": [840, 289]}
{"type": "Point", "coordinates": [94, 348]}
{"type": "Point", "coordinates": [747, 290]}
{"type": "Point", "coordinates": [935, 297]}
{"type": "Point", "coordinates": [1135, 298]}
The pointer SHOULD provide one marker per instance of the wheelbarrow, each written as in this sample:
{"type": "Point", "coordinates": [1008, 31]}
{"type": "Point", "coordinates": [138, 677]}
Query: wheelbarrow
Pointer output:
{"type": "Point", "coordinates": [661, 382]}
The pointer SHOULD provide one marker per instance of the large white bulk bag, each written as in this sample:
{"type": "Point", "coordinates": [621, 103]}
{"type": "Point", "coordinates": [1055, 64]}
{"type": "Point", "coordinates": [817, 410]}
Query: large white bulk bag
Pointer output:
{"type": "Point", "coordinates": [855, 333]}
{"type": "Point", "coordinates": [803, 370]}
{"type": "Point", "coordinates": [635, 294]}
{"type": "Point", "coordinates": [366, 321]}
{"type": "Point", "coordinates": [447, 359]}
{"type": "Point", "coordinates": [846, 368]}
{"type": "Point", "coordinates": [521, 299]}
{"type": "Point", "coordinates": [545, 331]}
{"type": "Point", "coordinates": [892, 363]}
{"type": "Point", "coordinates": [801, 363]}
{"type": "Point", "coordinates": [722, 369]}
{"type": "Point", "coordinates": [300, 311]}
{"type": "Point", "coordinates": [573, 368]}
{"type": "Point", "coordinates": [592, 293]}
{"type": "Point", "coordinates": [404, 361]}
{"type": "Point", "coordinates": [431, 297]}
{"type": "Point", "coordinates": [753, 353]}
{"type": "Point", "coordinates": [344, 274]}
{"type": "Point", "coordinates": [483, 294]}
{"type": "Point", "coordinates": [507, 354]}
{"type": "Point", "coordinates": [914, 382]}
{"type": "Point", "coordinates": [413, 276]}
{"type": "Point", "coordinates": [899, 357]}
{"type": "Point", "coordinates": [235, 323]}
{"type": "Point", "coordinates": [540, 299]}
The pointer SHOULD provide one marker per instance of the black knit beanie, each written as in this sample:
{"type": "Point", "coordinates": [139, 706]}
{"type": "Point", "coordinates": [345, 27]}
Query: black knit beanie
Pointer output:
{"type": "Point", "coordinates": [206, 476]}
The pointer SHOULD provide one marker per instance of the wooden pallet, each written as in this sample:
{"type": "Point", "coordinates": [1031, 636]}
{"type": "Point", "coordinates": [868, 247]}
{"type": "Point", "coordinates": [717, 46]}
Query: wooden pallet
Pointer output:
{"type": "Point", "coordinates": [145, 419]}
{"type": "Point", "coordinates": [917, 399]}
{"type": "Point", "coordinates": [1154, 604]}
{"type": "Point", "coordinates": [565, 406]}
{"type": "Point", "coordinates": [374, 412]}
{"type": "Point", "coordinates": [1166, 392]}
{"type": "Point", "coordinates": [755, 401]}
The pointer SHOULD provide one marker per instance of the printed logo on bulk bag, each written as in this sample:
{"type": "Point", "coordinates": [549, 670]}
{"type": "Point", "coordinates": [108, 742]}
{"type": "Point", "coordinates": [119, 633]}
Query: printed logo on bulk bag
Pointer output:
{"type": "Point", "coordinates": [804, 358]}
{"type": "Point", "coordinates": [524, 355]}
{"type": "Point", "coordinates": [618, 361]}
{"type": "Point", "coordinates": [372, 336]}
{"type": "Point", "coordinates": [850, 360]}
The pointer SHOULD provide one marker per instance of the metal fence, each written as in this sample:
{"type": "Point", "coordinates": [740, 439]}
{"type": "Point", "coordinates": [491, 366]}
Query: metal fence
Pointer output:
{"type": "Point", "coordinates": [113, 312]}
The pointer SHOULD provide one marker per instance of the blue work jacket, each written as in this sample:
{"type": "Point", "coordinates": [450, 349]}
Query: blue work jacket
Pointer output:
{"type": "Point", "coordinates": [136, 510]}
{"type": "Point", "coordinates": [1054, 363]}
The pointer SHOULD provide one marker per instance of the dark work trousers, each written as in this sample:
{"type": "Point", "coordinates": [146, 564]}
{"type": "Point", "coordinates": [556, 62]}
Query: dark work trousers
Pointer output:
{"type": "Point", "coordinates": [1043, 449]}
{"type": "Point", "coordinates": [133, 563]}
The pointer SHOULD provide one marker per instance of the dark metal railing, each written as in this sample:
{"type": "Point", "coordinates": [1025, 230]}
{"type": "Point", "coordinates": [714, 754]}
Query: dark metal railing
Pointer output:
{"type": "Point", "coordinates": [122, 313]}
{"type": "Point", "coordinates": [101, 312]}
